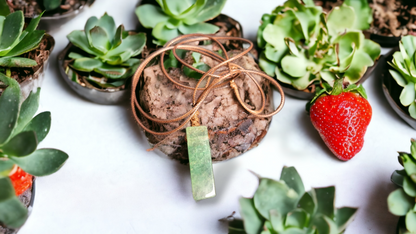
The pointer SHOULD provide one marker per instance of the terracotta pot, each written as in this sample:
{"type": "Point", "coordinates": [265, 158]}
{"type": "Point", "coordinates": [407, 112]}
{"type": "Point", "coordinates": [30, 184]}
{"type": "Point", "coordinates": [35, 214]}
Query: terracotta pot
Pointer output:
{"type": "Point", "coordinates": [93, 94]}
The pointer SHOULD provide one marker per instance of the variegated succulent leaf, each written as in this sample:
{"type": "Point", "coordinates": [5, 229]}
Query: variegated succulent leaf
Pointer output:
{"type": "Point", "coordinates": [321, 45]}
{"type": "Point", "coordinates": [401, 202]}
{"type": "Point", "coordinates": [110, 51]}
{"type": "Point", "coordinates": [176, 17]}
{"type": "Point", "coordinates": [404, 72]}
{"type": "Point", "coordinates": [15, 40]}
{"type": "Point", "coordinates": [20, 133]}
{"type": "Point", "coordinates": [283, 206]}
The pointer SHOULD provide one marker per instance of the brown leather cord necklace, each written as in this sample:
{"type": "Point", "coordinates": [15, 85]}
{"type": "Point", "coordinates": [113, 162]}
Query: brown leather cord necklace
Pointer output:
{"type": "Point", "coordinates": [222, 80]}
{"type": "Point", "coordinates": [219, 76]}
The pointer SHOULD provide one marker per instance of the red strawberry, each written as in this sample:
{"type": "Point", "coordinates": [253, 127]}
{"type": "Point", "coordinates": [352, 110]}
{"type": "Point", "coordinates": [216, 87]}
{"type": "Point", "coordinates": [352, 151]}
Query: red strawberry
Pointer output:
{"type": "Point", "coordinates": [21, 181]}
{"type": "Point", "coordinates": [341, 118]}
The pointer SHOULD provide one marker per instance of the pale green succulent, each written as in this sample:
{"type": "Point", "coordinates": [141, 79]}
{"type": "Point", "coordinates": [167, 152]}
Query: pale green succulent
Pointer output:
{"type": "Point", "coordinates": [283, 207]}
{"type": "Point", "coordinates": [109, 52]}
{"type": "Point", "coordinates": [176, 17]}
{"type": "Point", "coordinates": [404, 64]}
{"type": "Point", "coordinates": [401, 202]}
{"type": "Point", "coordinates": [14, 41]}
{"type": "Point", "coordinates": [20, 134]}
{"type": "Point", "coordinates": [301, 45]}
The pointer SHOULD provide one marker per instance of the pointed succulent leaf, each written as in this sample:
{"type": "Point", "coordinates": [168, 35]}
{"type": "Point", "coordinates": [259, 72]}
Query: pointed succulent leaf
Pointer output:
{"type": "Point", "coordinates": [236, 226]}
{"type": "Point", "coordinates": [401, 81]}
{"type": "Point", "coordinates": [12, 28]}
{"type": "Point", "coordinates": [51, 4]}
{"type": "Point", "coordinates": [321, 225]}
{"type": "Point", "coordinates": [176, 7]}
{"type": "Point", "coordinates": [86, 64]}
{"type": "Point", "coordinates": [40, 124]}
{"type": "Point", "coordinates": [340, 19]}
{"type": "Point", "coordinates": [100, 40]}
{"type": "Point", "coordinates": [32, 25]}
{"type": "Point", "coordinates": [307, 203]}
{"type": "Point", "coordinates": [292, 178]}
{"type": "Point", "coordinates": [399, 203]}
{"type": "Point", "coordinates": [20, 145]}
{"type": "Point", "coordinates": [164, 34]}
{"type": "Point", "coordinates": [297, 218]}
{"type": "Point", "coordinates": [79, 39]}
{"type": "Point", "coordinates": [42, 162]}
{"type": "Point", "coordinates": [344, 216]}
{"type": "Point", "coordinates": [111, 72]}
{"type": "Point", "coordinates": [133, 43]}
{"type": "Point", "coordinates": [74, 55]}
{"type": "Point", "coordinates": [333, 229]}
{"type": "Point", "coordinates": [398, 177]}
{"type": "Point", "coordinates": [276, 221]}
{"type": "Point", "coordinates": [9, 107]}
{"type": "Point", "coordinates": [253, 222]}
{"type": "Point", "coordinates": [274, 195]}
{"type": "Point", "coordinates": [118, 37]}
{"type": "Point", "coordinates": [408, 94]}
{"type": "Point", "coordinates": [409, 187]}
{"type": "Point", "coordinates": [28, 110]}
{"type": "Point", "coordinates": [131, 62]}
{"type": "Point", "coordinates": [90, 24]}
{"type": "Point", "coordinates": [6, 166]}
{"type": "Point", "coordinates": [205, 28]}
{"type": "Point", "coordinates": [193, 10]}
{"type": "Point", "coordinates": [30, 42]}
{"type": "Point", "coordinates": [325, 198]}
{"type": "Point", "coordinates": [107, 23]}
{"type": "Point", "coordinates": [150, 15]}
{"type": "Point", "coordinates": [211, 9]}
{"type": "Point", "coordinates": [4, 8]}
{"type": "Point", "coordinates": [17, 62]}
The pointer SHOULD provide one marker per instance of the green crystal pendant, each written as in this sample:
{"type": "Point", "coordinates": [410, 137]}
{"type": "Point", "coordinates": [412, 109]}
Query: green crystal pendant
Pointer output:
{"type": "Point", "coordinates": [200, 163]}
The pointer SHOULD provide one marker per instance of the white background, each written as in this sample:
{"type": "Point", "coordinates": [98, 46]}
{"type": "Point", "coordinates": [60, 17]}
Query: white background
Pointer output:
{"type": "Point", "coordinates": [110, 184]}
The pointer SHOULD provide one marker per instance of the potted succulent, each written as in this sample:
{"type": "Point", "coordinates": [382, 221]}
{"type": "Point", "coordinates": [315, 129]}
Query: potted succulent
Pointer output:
{"type": "Point", "coordinates": [401, 202]}
{"type": "Point", "coordinates": [399, 80]}
{"type": "Point", "coordinates": [165, 20]}
{"type": "Point", "coordinates": [99, 60]}
{"type": "Point", "coordinates": [303, 47]}
{"type": "Point", "coordinates": [57, 12]}
{"type": "Point", "coordinates": [20, 160]}
{"type": "Point", "coordinates": [284, 207]}
{"type": "Point", "coordinates": [24, 52]}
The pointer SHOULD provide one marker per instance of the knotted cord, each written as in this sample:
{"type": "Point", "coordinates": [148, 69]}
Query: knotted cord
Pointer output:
{"type": "Point", "coordinates": [214, 81]}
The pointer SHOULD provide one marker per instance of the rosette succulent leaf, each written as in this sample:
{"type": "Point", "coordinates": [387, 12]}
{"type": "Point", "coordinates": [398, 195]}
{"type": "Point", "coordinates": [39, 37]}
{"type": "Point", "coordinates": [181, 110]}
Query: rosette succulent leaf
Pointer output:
{"type": "Point", "coordinates": [401, 202]}
{"type": "Point", "coordinates": [109, 51]}
{"type": "Point", "coordinates": [300, 44]}
{"type": "Point", "coordinates": [176, 17]}
{"type": "Point", "coordinates": [20, 134]}
{"type": "Point", "coordinates": [14, 40]}
{"type": "Point", "coordinates": [404, 64]}
{"type": "Point", "coordinates": [283, 207]}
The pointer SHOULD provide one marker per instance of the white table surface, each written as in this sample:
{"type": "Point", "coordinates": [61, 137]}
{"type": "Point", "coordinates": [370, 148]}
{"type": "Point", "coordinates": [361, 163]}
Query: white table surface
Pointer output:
{"type": "Point", "coordinates": [110, 184]}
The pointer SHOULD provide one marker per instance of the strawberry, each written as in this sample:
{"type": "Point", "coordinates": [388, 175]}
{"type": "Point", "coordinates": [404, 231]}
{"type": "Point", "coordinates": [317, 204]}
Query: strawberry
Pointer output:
{"type": "Point", "coordinates": [21, 181]}
{"type": "Point", "coordinates": [341, 117]}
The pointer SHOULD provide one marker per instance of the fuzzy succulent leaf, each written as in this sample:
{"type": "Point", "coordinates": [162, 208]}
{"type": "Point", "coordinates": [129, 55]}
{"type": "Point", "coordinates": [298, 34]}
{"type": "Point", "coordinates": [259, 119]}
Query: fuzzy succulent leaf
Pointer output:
{"type": "Point", "coordinates": [175, 17]}
{"type": "Point", "coordinates": [111, 49]}
{"type": "Point", "coordinates": [319, 44]}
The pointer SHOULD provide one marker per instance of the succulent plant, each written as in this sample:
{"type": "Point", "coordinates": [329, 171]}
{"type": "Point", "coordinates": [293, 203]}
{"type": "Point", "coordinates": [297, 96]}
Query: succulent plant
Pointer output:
{"type": "Point", "coordinates": [401, 202]}
{"type": "Point", "coordinates": [20, 135]}
{"type": "Point", "coordinates": [109, 52]}
{"type": "Point", "coordinates": [283, 207]}
{"type": "Point", "coordinates": [51, 4]}
{"type": "Point", "coordinates": [15, 41]}
{"type": "Point", "coordinates": [301, 45]}
{"type": "Point", "coordinates": [176, 17]}
{"type": "Point", "coordinates": [404, 64]}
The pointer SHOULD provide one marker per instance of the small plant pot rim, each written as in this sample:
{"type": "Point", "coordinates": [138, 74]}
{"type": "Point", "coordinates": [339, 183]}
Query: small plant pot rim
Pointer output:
{"type": "Point", "coordinates": [104, 97]}
{"type": "Point", "coordinates": [389, 85]}
{"type": "Point", "coordinates": [49, 23]}
{"type": "Point", "coordinates": [385, 41]}
{"type": "Point", "coordinates": [300, 94]}
{"type": "Point", "coordinates": [29, 208]}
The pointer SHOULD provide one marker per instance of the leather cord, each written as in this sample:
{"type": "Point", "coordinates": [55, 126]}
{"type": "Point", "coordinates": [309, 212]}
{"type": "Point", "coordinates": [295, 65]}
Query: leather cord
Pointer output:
{"type": "Point", "coordinates": [224, 79]}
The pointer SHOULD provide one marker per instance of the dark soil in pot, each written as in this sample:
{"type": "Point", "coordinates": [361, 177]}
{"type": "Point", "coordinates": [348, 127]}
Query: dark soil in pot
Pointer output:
{"type": "Point", "coordinates": [88, 90]}
{"type": "Point", "coordinates": [232, 130]}
{"type": "Point", "coordinates": [32, 78]}
{"type": "Point", "coordinates": [50, 19]}
{"type": "Point", "coordinates": [392, 91]}
{"type": "Point", "coordinates": [28, 199]}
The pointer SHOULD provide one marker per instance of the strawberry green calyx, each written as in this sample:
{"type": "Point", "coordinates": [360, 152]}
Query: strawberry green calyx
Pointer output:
{"type": "Point", "coordinates": [337, 89]}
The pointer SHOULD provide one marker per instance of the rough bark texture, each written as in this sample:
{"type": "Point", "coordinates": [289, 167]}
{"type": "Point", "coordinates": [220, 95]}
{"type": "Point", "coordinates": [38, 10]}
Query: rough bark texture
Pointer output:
{"type": "Point", "coordinates": [32, 77]}
{"type": "Point", "coordinates": [25, 198]}
{"type": "Point", "coordinates": [32, 8]}
{"type": "Point", "coordinates": [232, 131]}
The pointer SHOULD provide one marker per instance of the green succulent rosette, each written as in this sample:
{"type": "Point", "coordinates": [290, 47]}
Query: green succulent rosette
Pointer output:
{"type": "Point", "coordinates": [283, 207]}
{"type": "Point", "coordinates": [177, 17]}
{"type": "Point", "coordinates": [300, 44]}
{"type": "Point", "coordinates": [20, 135]}
{"type": "Point", "coordinates": [401, 202]}
{"type": "Point", "coordinates": [109, 52]}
